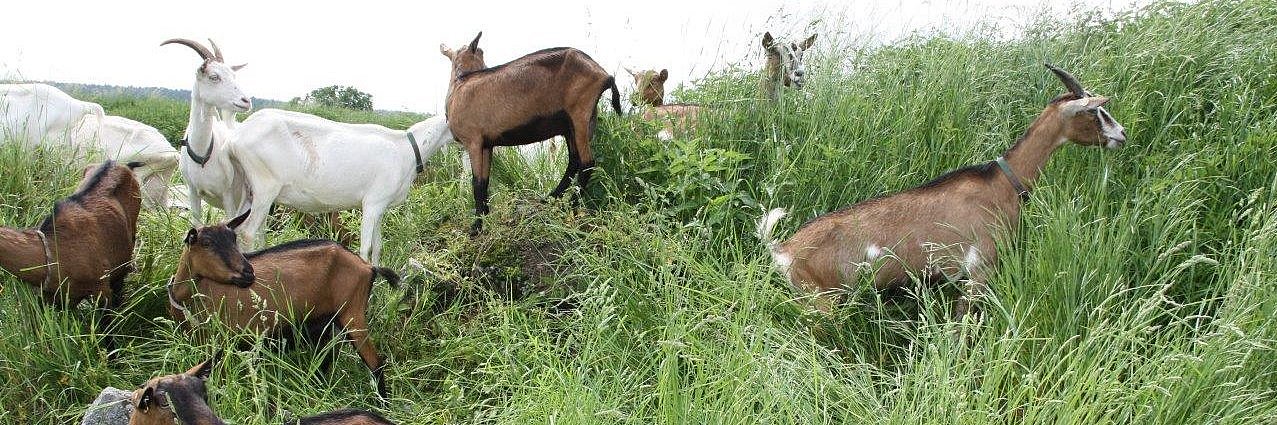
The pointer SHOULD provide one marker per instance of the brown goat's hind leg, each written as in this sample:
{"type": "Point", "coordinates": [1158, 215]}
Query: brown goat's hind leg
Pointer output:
{"type": "Point", "coordinates": [358, 335]}
{"type": "Point", "coordinates": [480, 163]}
{"type": "Point", "coordinates": [574, 165]}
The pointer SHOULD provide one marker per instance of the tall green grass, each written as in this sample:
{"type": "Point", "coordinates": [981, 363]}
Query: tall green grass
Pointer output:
{"type": "Point", "coordinates": [1139, 289]}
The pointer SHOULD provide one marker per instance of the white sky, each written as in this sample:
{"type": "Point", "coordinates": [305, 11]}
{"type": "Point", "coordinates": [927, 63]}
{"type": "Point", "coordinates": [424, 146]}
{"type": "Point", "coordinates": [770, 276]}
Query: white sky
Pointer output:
{"type": "Point", "coordinates": [391, 49]}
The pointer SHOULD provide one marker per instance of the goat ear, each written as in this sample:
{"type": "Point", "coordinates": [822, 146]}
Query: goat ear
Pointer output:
{"type": "Point", "coordinates": [629, 71]}
{"type": "Point", "coordinates": [443, 48]}
{"type": "Point", "coordinates": [767, 40]}
{"type": "Point", "coordinates": [808, 42]}
{"type": "Point", "coordinates": [144, 401]}
{"type": "Point", "coordinates": [235, 222]}
{"type": "Point", "coordinates": [190, 236]}
{"type": "Point", "coordinates": [238, 67]}
{"type": "Point", "coordinates": [203, 370]}
{"type": "Point", "coordinates": [1096, 101]}
{"type": "Point", "coordinates": [664, 75]}
{"type": "Point", "coordinates": [474, 45]}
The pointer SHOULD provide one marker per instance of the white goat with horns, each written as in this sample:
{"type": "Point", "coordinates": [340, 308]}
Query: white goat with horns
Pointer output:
{"type": "Point", "coordinates": [315, 165]}
{"type": "Point", "coordinates": [209, 172]}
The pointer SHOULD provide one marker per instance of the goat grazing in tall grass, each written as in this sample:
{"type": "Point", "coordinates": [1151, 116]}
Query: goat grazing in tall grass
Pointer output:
{"type": "Point", "coordinates": [315, 165]}
{"type": "Point", "coordinates": [183, 398]}
{"type": "Point", "coordinates": [124, 140]}
{"type": "Point", "coordinates": [649, 94]}
{"type": "Point", "coordinates": [945, 228]}
{"type": "Point", "coordinates": [785, 66]}
{"type": "Point", "coordinates": [318, 285]}
{"type": "Point", "coordinates": [209, 172]}
{"type": "Point", "coordinates": [32, 113]}
{"type": "Point", "coordinates": [84, 249]}
{"type": "Point", "coordinates": [40, 114]}
{"type": "Point", "coordinates": [551, 92]}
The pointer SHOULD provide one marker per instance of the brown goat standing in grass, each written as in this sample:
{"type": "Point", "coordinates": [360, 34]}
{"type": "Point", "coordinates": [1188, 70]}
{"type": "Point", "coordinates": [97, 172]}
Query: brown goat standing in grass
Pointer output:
{"type": "Point", "coordinates": [552, 92]}
{"type": "Point", "coordinates": [945, 228]}
{"type": "Point", "coordinates": [84, 249]}
{"type": "Point", "coordinates": [649, 94]}
{"type": "Point", "coordinates": [183, 398]}
{"type": "Point", "coordinates": [316, 284]}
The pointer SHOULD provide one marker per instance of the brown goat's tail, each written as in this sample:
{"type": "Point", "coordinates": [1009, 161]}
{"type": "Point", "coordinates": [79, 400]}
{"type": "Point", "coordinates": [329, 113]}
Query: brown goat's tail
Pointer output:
{"type": "Point", "coordinates": [616, 94]}
{"type": "Point", "coordinates": [391, 277]}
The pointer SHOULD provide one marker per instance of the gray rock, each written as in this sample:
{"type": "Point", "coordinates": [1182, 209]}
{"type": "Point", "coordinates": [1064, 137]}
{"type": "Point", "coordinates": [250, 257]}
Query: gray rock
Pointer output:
{"type": "Point", "coordinates": [110, 408]}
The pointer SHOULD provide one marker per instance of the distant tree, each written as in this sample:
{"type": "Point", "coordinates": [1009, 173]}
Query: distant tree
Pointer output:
{"type": "Point", "coordinates": [340, 96]}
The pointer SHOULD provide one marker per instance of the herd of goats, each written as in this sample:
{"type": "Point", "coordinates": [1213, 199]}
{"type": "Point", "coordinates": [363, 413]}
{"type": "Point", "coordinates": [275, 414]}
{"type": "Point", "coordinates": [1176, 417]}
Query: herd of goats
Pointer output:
{"type": "Point", "coordinates": [945, 229]}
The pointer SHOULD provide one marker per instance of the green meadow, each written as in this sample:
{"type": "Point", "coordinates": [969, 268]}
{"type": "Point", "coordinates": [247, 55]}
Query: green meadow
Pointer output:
{"type": "Point", "coordinates": [1141, 286]}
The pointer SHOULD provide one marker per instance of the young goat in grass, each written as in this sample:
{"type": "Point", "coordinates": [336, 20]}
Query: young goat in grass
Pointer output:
{"type": "Point", "coordinates": [552, 92]}
{"type": "Point", "coordinates": [649, 94]}
{"type": "Point", "coordinates": [317, 285]}
{"type": "Point", "coordinates": [785, 66]}
{"type": "Point", "coordinates": [945, 228]}
{"type": "Point", "coordinates": [84, 249]}
{"type": "Point", "coordinates": [183, 398]}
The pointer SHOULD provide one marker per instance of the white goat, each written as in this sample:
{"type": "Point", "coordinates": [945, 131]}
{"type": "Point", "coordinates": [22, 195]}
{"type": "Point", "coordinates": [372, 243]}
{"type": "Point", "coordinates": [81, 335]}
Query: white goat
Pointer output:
{"type": "Point", "coordinates": [318, 166]}
{"type": "Point", "coordinates": [35, 114]}
{"type": "Point", "coordinates": [32, 113]}
{"type": "Point", "coordinates": [124, 140]}
{"type": "Point", "coordinates": [211, 176]}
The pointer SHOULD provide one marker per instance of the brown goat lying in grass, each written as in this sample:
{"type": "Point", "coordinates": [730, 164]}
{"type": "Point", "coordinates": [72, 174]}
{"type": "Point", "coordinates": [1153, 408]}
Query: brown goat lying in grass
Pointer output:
{"type": "Point", "coordinates": [316, 284]}
{"type": "Point", "coordinates": [551, 92]}
{"type": "Point", "coordinates": [166, 400]}
{"type": "Point", "coordinates": [649, 93]}
{"type": "Point", "coordinates": [84, 249]}
{"type": "Point", "coordinates": [946, 228]}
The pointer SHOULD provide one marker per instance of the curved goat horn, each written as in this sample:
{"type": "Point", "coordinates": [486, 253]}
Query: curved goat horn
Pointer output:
{"type": "Point", "coordinates": [217, 53]}
{"type": "Point", "coordinates": [203, 51]}
{"type": "Point", "coordinates": [475, 44]}
{"type": "Point", "coordinates": [1068, 80]}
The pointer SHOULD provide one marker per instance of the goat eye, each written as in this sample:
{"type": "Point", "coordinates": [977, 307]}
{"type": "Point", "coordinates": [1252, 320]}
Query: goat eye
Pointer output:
{"type": "Point", "coordinates": [215, 77]}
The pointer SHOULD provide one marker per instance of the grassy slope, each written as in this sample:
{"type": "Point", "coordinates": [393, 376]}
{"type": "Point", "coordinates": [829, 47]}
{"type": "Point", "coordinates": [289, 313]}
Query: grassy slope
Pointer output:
{"type": "Point", "coordinates": [1141, 289]}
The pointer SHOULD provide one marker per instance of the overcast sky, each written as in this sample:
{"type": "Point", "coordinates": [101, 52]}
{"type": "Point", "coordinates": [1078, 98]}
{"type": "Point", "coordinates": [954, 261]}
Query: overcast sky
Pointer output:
{"type": "Point", "coordinates": [391, 49]}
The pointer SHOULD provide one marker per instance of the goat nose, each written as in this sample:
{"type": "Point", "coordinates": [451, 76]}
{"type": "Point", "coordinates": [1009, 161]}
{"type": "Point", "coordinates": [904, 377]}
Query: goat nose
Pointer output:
{"type": "Point", "coordinates": [798, 73]}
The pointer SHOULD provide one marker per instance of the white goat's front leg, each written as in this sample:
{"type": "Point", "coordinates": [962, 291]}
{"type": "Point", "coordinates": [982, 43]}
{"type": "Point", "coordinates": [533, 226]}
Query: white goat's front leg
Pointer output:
{"type": "Point", "coordinates": [197, 205]}
{"type": "Point", "coordinates": [370, 233]}
{"type": "Point", "coordinates": [251, 231]}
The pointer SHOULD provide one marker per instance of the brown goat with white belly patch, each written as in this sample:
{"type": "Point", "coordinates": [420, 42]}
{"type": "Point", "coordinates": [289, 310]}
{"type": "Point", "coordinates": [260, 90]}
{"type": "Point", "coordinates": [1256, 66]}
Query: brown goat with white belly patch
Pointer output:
{"type": "Point", "coordinates": [943, 229]}
{"type": "Point", "coordinates": [552, 92]}
{"type": "Point", "coordinates": [183, 398]}
{"type": "Point", "coordinates": [649, 94]}
{"type": "Point", "coordinates": [84, 250]}
{"type": "Point", "coordinates": [316, 284]}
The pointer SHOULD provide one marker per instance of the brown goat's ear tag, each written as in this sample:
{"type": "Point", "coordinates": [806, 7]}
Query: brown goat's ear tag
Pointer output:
{"type": "Point", "coordinates": [190, 236]}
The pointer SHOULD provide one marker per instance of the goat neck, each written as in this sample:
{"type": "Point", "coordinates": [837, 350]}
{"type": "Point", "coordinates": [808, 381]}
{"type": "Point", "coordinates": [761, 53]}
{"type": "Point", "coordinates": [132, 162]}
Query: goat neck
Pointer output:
{"type": "Point", "coordinates": [22, 253]}
{"type": "Point", "coordinates": [200, 129]}
{"type": "Point", "coordinates": [1029, 154]}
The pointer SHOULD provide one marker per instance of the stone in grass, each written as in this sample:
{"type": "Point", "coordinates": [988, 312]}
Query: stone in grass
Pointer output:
{"type": "Point", "coordinates": [110, 408]}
